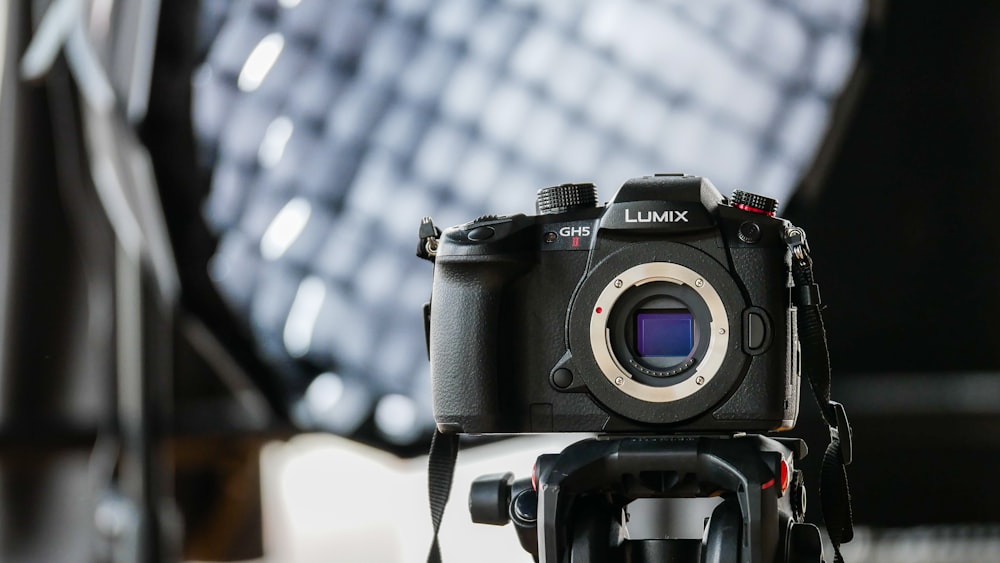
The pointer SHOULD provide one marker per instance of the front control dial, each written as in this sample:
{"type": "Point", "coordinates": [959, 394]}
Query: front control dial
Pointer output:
{"type": "Point", "coordinates": [565, 197]}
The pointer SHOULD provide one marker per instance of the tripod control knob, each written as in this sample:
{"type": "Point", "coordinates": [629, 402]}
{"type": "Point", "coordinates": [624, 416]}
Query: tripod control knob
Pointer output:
{"type": "Point", "coordinates": [489, 499]}
{"type": "Point", "coordinates": [524, 507]}
{"type": "Point", "coordinates": [565, 197]}
{"type": "Point", "coordinates": [798, 499]}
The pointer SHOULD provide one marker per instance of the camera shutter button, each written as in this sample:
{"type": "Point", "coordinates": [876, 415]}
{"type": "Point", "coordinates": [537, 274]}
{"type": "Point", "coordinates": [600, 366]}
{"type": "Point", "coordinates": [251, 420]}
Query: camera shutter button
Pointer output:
{"type": "Point", "coordinates": [480, 234]}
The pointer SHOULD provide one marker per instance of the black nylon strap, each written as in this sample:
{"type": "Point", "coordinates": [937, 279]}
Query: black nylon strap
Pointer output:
{"type": "Point", "coordinates": [835, 497]}
{"type": "Point", "coordinates": [440, 471]}
{"type": "Point", "coordinates": [835, 494]}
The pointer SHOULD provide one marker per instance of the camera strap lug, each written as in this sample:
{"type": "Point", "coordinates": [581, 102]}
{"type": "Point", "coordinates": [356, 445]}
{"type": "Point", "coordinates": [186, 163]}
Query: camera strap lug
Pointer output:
{"type": "Point", "coordinates": [430, 236]}
{"type": "Point", "coordinates": [795, 238]}
{"type": "Point", "coordinates": [803, 294]}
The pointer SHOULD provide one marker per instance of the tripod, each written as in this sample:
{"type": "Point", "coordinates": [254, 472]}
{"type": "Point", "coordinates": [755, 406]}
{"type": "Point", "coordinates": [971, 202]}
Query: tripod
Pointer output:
{"type": "Point", "coordinates": [571, 509]}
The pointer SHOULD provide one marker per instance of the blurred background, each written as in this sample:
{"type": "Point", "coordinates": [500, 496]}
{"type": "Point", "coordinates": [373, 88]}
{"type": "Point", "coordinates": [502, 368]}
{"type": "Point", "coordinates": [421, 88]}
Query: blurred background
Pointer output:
{"type": "Point", "coordinates": [211, 344]}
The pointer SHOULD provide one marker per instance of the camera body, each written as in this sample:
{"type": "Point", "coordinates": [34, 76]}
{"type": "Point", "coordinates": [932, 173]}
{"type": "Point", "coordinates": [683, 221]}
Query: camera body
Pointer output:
{"type": "Point", "coordinates": [667, 310]}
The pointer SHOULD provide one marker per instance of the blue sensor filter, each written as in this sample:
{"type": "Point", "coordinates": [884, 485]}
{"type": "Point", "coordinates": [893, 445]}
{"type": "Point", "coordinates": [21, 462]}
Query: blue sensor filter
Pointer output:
{"type": "Point", "coordinates": [664, 333]}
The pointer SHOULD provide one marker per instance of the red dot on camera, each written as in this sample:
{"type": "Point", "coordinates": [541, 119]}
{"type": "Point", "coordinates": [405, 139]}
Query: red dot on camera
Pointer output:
{"type": "Point", "coordinates": [598, 310]}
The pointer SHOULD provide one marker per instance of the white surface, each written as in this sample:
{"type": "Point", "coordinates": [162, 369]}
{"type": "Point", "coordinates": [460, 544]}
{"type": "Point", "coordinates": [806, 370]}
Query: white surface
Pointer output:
{"type": "Point", "coordinates": [328, 499]}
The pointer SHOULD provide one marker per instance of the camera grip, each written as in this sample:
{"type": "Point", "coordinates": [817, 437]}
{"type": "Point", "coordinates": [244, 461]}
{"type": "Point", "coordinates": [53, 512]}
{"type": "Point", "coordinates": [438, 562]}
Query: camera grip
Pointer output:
{"type": "Point", "coordinates": [465, 332]}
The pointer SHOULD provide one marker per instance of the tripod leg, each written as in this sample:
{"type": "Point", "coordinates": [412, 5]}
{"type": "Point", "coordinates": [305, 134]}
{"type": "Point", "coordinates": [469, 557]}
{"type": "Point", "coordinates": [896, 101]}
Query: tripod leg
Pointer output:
{"type": "Point", "coordinates": [722, 540]}
{"type": "Point", "coordinates": [596, 532]}
{"type": "Point", "coordinates": [804, 544]}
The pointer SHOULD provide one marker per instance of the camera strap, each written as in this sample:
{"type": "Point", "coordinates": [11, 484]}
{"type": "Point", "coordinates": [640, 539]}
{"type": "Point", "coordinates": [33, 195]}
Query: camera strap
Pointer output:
{"type": "Point", "coordinates": [440, 470]}
{"type": "Point", "coordinates": [835, 494]}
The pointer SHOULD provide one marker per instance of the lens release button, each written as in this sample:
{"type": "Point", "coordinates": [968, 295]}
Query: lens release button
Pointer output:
{"type": "Point", "coordinates": [480, 234]}
{"type": "Point", "coordinates": [756, 331]}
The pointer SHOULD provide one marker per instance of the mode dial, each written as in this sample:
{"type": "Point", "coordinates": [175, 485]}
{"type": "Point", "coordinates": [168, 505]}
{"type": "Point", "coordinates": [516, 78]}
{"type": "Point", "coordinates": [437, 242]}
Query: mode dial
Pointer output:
{"type": "Point", "coordinates": [754, 203]}
{"type": "Point", "coordinates": [565, 197]}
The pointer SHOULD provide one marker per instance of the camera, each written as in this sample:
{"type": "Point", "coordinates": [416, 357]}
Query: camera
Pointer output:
{"type": "Point", "coordinates": [666, 310]}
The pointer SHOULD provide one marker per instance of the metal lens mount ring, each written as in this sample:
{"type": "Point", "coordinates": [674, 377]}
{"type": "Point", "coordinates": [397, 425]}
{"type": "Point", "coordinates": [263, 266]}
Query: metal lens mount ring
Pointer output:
{"type": "Point", "coordinates": [600, 336]}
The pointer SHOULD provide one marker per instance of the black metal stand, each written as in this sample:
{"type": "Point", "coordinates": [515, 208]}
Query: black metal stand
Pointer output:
{"type": "Point", "coordinates": [572, 509]}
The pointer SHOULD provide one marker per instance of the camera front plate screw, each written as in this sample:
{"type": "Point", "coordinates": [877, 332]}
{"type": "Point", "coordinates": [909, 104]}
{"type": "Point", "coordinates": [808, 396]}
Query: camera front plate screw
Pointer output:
{"type": "Point", "coordinates": [722, 331]}
{"type": "Point", "coordinates": [619, 380]}
{"type": "Point", "coordinates": [619, 283]}
{"type": "Point", "coordinates": [699, 380]}
{"type": "Point", "coordinates": [551, 237]}
{"type": "Point", "coordinates": [699, 282]}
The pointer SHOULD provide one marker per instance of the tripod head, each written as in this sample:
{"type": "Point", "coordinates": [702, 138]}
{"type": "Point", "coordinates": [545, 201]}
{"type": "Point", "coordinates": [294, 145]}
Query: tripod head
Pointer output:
{"type": "Point", "coordinates": [572, 508]}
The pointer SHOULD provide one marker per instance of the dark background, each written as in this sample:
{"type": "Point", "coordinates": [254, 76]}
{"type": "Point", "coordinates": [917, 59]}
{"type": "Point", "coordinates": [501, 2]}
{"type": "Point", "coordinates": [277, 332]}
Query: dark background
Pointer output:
{"type": "Point", "coordinates": [906, 242]}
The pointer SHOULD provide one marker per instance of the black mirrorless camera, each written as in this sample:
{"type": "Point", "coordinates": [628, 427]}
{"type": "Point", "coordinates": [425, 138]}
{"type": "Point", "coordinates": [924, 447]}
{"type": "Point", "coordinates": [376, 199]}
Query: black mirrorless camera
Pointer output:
{"type": "Point", "coordinates": [666, 310]}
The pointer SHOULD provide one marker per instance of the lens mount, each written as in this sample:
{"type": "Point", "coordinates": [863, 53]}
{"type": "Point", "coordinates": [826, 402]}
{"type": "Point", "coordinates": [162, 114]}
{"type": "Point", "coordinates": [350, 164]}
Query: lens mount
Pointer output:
{"type": "Point", "coordinates": [636, 378]}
